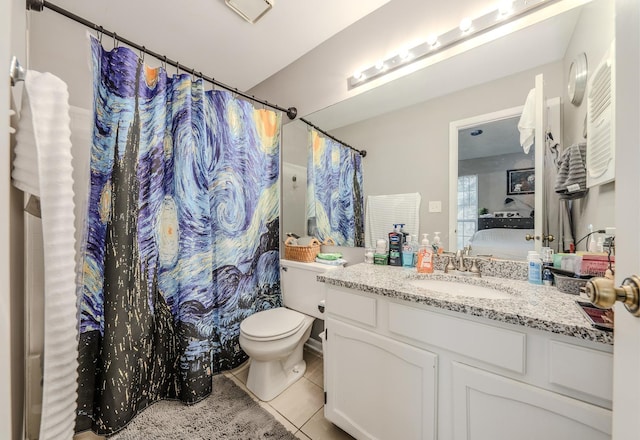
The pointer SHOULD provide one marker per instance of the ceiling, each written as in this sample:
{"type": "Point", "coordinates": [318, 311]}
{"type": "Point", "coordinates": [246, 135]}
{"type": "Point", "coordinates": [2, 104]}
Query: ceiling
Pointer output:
{"type": "Point", "coordinates": [497, 138]}
{"type": "Point", "coordinates": [209, 37]}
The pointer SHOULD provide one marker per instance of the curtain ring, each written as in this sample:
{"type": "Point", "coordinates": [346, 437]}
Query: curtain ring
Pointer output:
{"type": "Point", "coordinates": [193, 74]}
{"type": "Point", "coordinates": [177, 67]}
{"type": "Point", "coordinates": [142, 52]}
{"type": "Point", "coordinates": [100, 32]}
{"type": "Point", "coordinates": [115, 40]}
{"type": "Point", "coordinates": [164, 63]}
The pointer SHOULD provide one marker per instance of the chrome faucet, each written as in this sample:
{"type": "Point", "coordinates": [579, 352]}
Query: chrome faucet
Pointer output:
{"type": "Point", "coordinates": [457, 262]}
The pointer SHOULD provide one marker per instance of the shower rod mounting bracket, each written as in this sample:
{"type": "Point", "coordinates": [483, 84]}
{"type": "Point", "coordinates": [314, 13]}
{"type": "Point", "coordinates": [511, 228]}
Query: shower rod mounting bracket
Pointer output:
{"type": "Point", "coordinates": [35, 5]}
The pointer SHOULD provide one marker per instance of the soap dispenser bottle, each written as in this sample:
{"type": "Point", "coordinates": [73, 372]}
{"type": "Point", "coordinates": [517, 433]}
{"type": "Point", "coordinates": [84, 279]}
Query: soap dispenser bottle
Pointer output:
{"type": "Point", "coordinates": [407, 253]}
{"type": "Point", "coordinates": [396, 240]}
{"type": "Point", "coordinates": [425, 256]}
{"type": "Point", "coordinates": [437, 244]}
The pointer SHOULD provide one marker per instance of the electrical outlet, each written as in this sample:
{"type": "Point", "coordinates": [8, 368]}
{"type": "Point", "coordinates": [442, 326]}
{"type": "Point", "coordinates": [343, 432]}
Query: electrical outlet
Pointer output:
{"type": "Point", "coordinates": [435, 206]}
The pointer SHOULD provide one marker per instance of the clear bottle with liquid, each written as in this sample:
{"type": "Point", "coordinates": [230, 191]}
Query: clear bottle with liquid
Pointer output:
{"type": "Point", "coordinates": [534, 263]}
{"type": "Point", "coordinates": [407, 253]}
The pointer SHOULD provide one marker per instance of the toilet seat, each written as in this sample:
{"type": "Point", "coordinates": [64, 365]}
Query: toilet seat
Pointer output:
{"type": "Point", "coordinates": [272, 324]}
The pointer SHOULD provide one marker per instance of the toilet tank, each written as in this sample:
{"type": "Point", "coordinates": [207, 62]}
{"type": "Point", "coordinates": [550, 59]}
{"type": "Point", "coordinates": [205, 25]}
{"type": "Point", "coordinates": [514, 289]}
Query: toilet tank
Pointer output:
{"type": "Point", "coordinates": [300, 290]}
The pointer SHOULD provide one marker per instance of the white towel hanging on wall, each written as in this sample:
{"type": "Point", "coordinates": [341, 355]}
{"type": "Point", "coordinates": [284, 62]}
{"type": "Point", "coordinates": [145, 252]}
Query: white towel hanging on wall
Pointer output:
{"type": "Point", "coordinates": [43, 167]}
{"type": "Point", "coordinates": [527, 122]}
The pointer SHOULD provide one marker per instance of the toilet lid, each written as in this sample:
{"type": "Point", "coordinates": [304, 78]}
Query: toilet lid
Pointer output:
{"type": "Point", "coordinates": [272, 324]}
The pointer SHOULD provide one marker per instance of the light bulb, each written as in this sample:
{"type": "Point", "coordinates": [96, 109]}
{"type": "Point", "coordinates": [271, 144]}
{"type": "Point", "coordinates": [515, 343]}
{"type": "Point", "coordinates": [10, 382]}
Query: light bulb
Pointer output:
{"type": "Point", "coordinates": [505, 8]}
{"type": "Point", "coordinates": [405, 54]}
{"type": "Point", "coordinates": [358, 75]}
{"type": "Point", "coordinates": [432, 40]}
{"type": "Point", "coordinates": [465, 24]}
{"type": "Point", "coordinates": [379, 65]}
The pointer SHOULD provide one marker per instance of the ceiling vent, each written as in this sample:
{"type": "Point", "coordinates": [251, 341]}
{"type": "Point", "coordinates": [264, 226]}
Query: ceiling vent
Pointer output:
{"type": "Point", "coordinates": [600, 127]}
{"type": "Point", "coordinates": [250, 10]}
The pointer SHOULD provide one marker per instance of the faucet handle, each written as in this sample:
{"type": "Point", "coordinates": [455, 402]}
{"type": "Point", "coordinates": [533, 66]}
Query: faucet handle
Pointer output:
{"type": "Point", "coordinates": [449, 266]}
{"type": "Point", "coordinates": [474, 268]}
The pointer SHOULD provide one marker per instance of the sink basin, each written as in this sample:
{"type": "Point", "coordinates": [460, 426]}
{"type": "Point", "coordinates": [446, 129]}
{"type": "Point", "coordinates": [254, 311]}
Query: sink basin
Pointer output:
{"type": "Point", "coordinates": [459, 289]}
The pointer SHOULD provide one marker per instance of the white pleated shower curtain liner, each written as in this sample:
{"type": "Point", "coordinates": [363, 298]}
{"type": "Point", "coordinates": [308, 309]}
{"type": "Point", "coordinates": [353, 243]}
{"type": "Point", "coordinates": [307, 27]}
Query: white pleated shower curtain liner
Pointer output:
{"type": "Point", "coordinates": [43, 167]}
{"type": "Point", "coordinates": [382, 212]}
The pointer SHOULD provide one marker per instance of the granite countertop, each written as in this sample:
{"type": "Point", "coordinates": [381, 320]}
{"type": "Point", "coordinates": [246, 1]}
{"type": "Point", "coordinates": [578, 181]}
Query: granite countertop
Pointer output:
{"type": "Point", "coordinates": [533, 306]}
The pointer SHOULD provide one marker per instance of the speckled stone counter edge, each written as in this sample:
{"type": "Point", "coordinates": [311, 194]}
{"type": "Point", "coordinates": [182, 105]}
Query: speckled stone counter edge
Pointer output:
{"type": "Point", "coordinates": [538, 307]}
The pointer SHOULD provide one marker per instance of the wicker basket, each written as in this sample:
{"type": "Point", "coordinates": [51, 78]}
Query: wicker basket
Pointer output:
{"type": "Point", "coordinates": [305, 254]}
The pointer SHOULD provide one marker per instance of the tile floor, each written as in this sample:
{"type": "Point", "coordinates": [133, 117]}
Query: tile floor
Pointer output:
{"type": "Point", "coordinates": [300, 408]}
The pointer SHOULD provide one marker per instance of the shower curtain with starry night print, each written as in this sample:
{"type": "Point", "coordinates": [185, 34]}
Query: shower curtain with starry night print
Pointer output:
{"type": "Point", "coordinates": [182, 237]}
{"type": "Point", "coordinates": [335, 204]}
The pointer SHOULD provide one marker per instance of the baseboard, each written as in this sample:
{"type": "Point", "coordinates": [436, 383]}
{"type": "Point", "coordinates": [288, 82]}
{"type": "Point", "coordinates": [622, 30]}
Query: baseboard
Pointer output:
{"type": "Point", "coordinates": [314, 345]}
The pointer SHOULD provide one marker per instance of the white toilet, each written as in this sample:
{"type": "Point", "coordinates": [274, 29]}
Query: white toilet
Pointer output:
{"type": "Point", "coordinates": [273, 339]}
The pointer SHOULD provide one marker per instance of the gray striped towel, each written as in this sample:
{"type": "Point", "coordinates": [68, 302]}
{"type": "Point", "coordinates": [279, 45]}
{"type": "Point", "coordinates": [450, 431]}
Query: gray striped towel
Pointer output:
{"type": "Point", "coordinates": [571, 181]}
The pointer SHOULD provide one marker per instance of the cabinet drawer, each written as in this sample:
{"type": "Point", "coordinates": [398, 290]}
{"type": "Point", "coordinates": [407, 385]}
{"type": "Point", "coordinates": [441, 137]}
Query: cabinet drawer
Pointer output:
{"type": "Point", "coordinates": [495, 346]}
{"type": "Point", "coordinates": [357, 308]}
{"type": "Point", "coordinates": [581, 369]}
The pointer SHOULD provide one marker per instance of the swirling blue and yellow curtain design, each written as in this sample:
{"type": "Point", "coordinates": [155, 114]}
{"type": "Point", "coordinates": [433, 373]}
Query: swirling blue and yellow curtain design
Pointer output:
{"type": "Point", "coordinates": [182, 237]}
{"type": "Point", "coordinates": [335, 203]}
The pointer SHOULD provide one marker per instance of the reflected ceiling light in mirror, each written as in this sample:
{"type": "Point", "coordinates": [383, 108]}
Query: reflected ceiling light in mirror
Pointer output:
{"type": "Point", "coordinates": [505, 9]}
{"type": "Point", "coordinates": [465, 25]}
{"type": "Point", "coordinates": [505, 12]}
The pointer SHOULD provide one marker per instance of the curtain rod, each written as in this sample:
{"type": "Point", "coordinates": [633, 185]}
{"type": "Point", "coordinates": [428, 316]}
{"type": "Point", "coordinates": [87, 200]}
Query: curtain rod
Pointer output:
{"type": "Point", "coordinates": [39, 5]}
{"type": "Point", "coordinates": [362, 153]}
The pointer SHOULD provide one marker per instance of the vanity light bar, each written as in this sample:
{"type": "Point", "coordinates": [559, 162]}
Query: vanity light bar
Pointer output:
{"type": "Point", "coordinates": [506, 12]}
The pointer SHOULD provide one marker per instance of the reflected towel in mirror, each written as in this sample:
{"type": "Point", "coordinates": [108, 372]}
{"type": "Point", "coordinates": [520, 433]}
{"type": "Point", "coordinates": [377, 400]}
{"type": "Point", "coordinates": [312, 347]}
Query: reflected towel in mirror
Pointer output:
{"type": "Point", "coordinates": [382, 212]}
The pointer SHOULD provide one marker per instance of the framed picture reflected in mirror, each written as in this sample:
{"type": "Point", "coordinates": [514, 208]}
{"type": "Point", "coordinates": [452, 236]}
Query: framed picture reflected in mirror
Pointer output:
{"type": "Point", "coordinates": [522, 181]}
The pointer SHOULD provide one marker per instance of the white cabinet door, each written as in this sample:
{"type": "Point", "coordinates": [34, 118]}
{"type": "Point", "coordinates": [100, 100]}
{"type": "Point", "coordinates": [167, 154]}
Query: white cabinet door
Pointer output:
{"type": "Point", "coordinates": [378, 388]}
{"type": "Point", "coordinates": [490, 407]}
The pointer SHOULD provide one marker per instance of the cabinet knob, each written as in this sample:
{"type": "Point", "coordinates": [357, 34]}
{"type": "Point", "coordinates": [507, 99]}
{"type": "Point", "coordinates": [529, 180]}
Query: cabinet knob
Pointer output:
{"type": "Point", "coordinates": [529, 237]}
{"type": "Point", "coordinates": [603, 293]}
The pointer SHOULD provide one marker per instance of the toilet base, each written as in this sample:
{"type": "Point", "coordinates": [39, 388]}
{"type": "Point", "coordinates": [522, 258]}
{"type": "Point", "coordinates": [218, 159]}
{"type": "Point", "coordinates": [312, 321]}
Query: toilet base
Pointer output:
{"type": "Point", "coordinates": [268, 379]}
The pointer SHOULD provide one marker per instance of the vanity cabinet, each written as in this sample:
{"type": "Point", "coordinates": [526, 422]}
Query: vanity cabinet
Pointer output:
{"type": "Point", "coordinates": [381, 388]}
{"type": "Point", "coordinates": [488, 406]}
{"type": "Point", "coordinates": [396, 369]}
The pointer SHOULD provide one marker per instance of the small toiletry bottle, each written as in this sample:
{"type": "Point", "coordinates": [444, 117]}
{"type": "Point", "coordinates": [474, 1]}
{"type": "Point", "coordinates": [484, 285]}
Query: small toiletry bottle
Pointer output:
{"type": "Point", "coordinates": [380, 255]}
{"type": "Point", "coordinates": [535, 267]}
{"type": "Point", "coordinates": [407, 253]}
{"type": "Point", "coordinates": [437, 244]}
{"type": "Point", "coordinates": [396, 240]}
{"type": "Point", "coordinates": [416, 246]}
{"type": "Point", "coordinates": [547, 277]}
{"type": "Point", "coordinates": [425, 256]}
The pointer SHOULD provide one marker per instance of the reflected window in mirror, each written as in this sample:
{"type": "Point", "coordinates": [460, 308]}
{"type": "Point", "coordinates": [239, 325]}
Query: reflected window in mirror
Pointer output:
{"type": "Point", "coordinates": [467, 208]}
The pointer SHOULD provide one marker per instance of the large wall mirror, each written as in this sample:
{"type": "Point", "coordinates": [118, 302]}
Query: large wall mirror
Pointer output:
{"type": "Point", "coordinates": [404, 124]}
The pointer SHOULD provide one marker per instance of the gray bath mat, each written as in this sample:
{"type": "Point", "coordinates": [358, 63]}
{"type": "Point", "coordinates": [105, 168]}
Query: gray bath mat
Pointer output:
{"type": "Point", "coordinates": [228, 413]}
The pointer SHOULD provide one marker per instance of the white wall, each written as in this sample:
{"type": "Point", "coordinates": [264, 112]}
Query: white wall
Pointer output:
{"type": "Point", "coordinates": [408, 150]}
{"type": "Point", "coordinates": [598, 206]}
{"type": "Point", "coordinates": [294, 196]}
{"type": "Point", "coordinates": [492, 180]}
